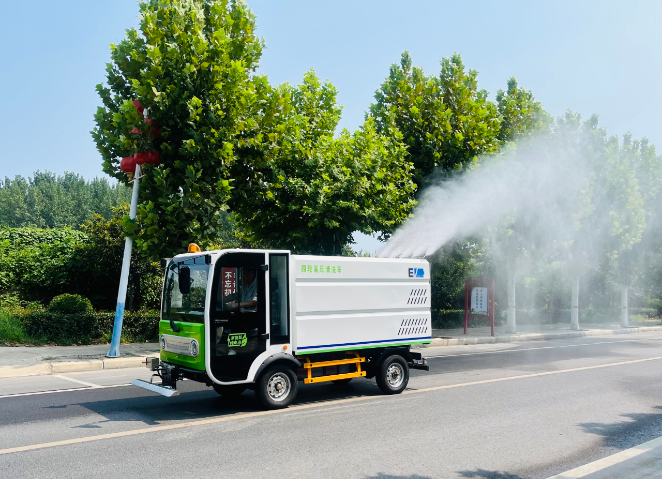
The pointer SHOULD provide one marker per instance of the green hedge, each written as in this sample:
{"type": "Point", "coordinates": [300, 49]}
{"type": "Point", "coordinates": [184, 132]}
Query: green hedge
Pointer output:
{"type": "Point", "coordinates": [60, 328]}
{"type": "Point", "coordinates": [86, 328]}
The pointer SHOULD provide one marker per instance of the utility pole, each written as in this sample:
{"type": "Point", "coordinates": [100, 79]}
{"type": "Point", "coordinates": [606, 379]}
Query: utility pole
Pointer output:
{"type": "Point", "coordinates": [124, 277]}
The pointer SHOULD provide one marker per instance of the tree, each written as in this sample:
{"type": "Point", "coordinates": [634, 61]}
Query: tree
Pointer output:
{"type": "Point", "coordinates": [635, 197]}
{"type": "Point", "coordinates": [520, 114]}
{"type": "Point", "coordinates": [474, 119]}
{"type": "Point", "coordinates": [191, 66]}
{"type": "Point", "coordinates": [307, 190]}
{"type": "Point", "coordinates": [445, 121]}
{"type": "Point", "coordinates": [48, 200]}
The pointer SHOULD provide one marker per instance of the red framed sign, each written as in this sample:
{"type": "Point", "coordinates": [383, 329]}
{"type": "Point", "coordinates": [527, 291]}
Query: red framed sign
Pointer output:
{"type": "Point", "coordinates": [479, 301]}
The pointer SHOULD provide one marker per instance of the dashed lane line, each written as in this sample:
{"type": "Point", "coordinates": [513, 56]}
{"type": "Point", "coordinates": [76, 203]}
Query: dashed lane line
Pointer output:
{"type": "Point", "coordinates": [84, 383]}
{"type": "Point", "coordinates": [36, 393]}
{"type": "Point", "coordinates": [239, 416]}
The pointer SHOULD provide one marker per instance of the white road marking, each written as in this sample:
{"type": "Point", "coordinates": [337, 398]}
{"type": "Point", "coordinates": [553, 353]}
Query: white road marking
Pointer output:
{"type": "Point", "coordinates": [609, 461]}
{"type": "Point", "coordinates": [541, 347]}
{"type": "Point", "coordinates": [84, 383]}
{"type": "Point", "coordinates": [238, 416]}
{"type": "Point", "coordinates": [36, 393]}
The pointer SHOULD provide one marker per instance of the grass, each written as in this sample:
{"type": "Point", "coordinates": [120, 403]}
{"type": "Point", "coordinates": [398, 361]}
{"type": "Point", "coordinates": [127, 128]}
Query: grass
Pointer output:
{"type": "Point", "coordinates": [11, 329]}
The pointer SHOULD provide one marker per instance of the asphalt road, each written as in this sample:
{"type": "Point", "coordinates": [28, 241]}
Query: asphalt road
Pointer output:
{"type": "Point", "coordinates": [502, 411]}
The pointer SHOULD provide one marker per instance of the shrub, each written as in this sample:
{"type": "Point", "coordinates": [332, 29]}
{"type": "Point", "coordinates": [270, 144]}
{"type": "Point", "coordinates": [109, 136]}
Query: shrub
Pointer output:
{"type": "Point", "coordinates": [447, 319]}
{"type": "Point", "coordinates": [11, 329]}
{"type": "Point", "coordinates": [70, 304]}
{"type": "Point", "coordinates": [61, 328]}
{"type": "Point", "coordinates": [138, 326]}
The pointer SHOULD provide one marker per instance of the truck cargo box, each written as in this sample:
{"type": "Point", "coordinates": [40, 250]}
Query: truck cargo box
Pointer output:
{"type": "Point", "coordinates": [343, 303]}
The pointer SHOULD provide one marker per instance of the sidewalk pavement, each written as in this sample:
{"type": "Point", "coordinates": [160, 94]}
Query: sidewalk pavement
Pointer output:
{"type": "Point", "coordinates": [42, 360]}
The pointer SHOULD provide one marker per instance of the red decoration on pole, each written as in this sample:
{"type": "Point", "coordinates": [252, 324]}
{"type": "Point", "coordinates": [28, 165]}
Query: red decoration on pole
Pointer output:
{"type": "Point", "coordinates": [153, 158]}
{"type": "Point", "coordinates": [140, 157]}
{"type": "Point", "coordinates": [128, 164]}
{"type": "Point", "coordinates": [150, 157]}
{"type": "Point", "coordinates": [479, 301]}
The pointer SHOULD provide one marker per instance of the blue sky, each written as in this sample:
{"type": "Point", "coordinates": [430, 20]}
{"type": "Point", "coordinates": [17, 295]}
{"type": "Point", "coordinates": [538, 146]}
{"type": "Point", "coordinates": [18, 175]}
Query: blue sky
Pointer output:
{"type": "Point", "coordinates": [601, 57]}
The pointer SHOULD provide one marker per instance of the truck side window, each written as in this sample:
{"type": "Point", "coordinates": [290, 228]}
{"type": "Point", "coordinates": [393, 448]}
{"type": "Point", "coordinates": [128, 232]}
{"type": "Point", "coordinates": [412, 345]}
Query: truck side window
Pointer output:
{"type": "Point", "coordinates": [278, 299]}
{"type": "Point", "coordinates": [237, 289]}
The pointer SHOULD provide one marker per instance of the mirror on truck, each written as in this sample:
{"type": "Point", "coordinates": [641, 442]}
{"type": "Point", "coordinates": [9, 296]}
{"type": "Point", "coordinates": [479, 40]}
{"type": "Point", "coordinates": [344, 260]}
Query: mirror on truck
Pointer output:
{"type": "Point", "coordinates": [184, 280]}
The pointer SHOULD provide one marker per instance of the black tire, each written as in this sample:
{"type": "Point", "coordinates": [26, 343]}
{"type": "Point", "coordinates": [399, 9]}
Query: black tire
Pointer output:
{"type": "Point", "coordinates": [231, 391]}
{"type": "Point", "coordinates": [341, 382]}
{"type": "Point", "coordinates": [393, 375]}
{"type": "Point", "coordinates": [277, 387]}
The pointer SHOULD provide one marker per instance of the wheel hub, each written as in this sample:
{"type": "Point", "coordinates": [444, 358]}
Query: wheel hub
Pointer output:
{"type": "Point", "coordinates": [278, 386]}
{"type": "Point", "coordinates": [395, 375]}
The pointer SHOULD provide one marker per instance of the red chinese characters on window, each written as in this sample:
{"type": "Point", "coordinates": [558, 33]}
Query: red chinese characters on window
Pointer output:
{"type": "Point", "coordinates": [228, 281]}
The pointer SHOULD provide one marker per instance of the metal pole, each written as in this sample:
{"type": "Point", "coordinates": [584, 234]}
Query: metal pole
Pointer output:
{"type": "Point", "coordinates": [466, 305]}
{"type": "Point", "coordinates": [124, 277]}
{"type": "Point", "coordinates": [492, 308]}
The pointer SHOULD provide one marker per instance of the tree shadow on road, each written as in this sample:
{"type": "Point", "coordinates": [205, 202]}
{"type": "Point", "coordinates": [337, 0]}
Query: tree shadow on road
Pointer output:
{"type": "Point", "coordinates": [483, 474]}
{"type": "Point", "coordinates": [637, 428]}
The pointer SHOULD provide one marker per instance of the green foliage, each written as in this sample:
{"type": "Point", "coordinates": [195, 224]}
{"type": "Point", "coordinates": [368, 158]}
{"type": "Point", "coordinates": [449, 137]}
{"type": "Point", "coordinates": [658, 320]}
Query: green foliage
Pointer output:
{"type": "Point", "coordinates": [83, 328]}
{"type": "Point", "coordinates": [70, 304]}
{"type": "Point", "coordinates": [60, 328]}
{"type": "Point", "coordinates": [96, 267]}
{"type": "Point", "coordinates": [191, 64]}
{"type": "Point", "coordinates": [445, 121]}
{"type": "Point", "coordinates": [50, 201]}
{"type": "Point", "coordinates": [138, 326]}
{"type": "Point", "coordinates": [40, 264]}
{"type": "Point", "coordinates": [308, 190]}
{"type": "Point", "coordinates": [11, 328]}
{"type": "Point", "coordinates": [36, 261]}
{"type": "Point", "coordinates": [521, 115]}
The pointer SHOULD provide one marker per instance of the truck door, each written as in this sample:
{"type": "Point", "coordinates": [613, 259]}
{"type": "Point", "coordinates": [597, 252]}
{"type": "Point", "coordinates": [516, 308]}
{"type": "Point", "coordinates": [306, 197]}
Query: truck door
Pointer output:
{"type": "Point", "coordinates": [237, 315]}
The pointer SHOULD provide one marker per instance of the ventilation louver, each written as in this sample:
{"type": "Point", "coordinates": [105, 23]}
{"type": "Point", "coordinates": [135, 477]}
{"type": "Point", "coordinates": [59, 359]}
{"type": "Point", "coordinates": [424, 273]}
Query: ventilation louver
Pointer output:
{"type": "Point", "coordinates": [415, 326]}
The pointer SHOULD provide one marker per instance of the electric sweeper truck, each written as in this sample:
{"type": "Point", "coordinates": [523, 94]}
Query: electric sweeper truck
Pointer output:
{"type": "Point", "coordinates": [265, 319]}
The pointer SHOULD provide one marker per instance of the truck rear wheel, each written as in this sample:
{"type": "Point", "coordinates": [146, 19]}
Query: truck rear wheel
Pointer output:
{"type": "Point", "coordinates": [393, 375]}
{"type": "Point", "coordinates": [277, 387]}
{"type": "Point", "coordinates": [230, 391]}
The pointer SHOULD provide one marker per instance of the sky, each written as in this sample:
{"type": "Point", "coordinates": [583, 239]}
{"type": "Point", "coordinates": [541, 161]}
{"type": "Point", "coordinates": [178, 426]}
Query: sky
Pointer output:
{"type": "Point", "coordinates": [591, 56]}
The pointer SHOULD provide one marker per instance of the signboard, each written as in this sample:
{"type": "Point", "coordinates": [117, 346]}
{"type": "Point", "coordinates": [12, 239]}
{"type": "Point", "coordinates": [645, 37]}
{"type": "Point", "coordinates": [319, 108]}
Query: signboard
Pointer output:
{"type": "Point", "coordinates": [229, 278]}
{"type": "Point", "coordinates": [479, 301]}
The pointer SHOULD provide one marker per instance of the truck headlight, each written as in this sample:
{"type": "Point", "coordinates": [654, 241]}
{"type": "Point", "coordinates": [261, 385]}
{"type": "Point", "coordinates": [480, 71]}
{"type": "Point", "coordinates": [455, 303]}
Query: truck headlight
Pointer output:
{"type": "Point", "coordinates": [194, 348]}
{"type": "Point", "coordinates": [163, 342]}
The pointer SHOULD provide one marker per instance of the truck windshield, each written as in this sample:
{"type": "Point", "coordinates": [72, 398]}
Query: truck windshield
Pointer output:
{"type": "Point", "coordinates": [186, 307]}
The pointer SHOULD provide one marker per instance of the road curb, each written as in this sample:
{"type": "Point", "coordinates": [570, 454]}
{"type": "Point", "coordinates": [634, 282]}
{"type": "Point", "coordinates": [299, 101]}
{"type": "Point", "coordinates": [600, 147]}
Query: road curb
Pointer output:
{"type": "Point", "coordinates": [70, 367]}
{"type": "Point", "coordinates": [523, 337]}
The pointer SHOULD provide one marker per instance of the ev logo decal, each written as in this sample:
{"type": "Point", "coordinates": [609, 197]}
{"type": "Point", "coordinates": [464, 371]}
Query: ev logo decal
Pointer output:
{"type": "Point", "coordinates": [416, 272]}
{"type": "Point", "coordinates": [237, 340]}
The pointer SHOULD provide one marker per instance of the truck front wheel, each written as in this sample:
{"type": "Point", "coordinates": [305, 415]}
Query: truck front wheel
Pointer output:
{"type": "Point", "coordinates": [393, 375]}
{"type": "Point", "coordinates": [277, 387]}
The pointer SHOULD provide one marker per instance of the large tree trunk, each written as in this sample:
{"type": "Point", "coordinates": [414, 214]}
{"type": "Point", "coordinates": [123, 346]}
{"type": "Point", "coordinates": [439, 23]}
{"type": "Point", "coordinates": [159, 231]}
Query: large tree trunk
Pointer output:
{"type": "Point", "coordinates": [512, 305]}
{"type": "Point", "coordinates": [574, 305]}
{"type": "Point", "coordinates": [624, 307]}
